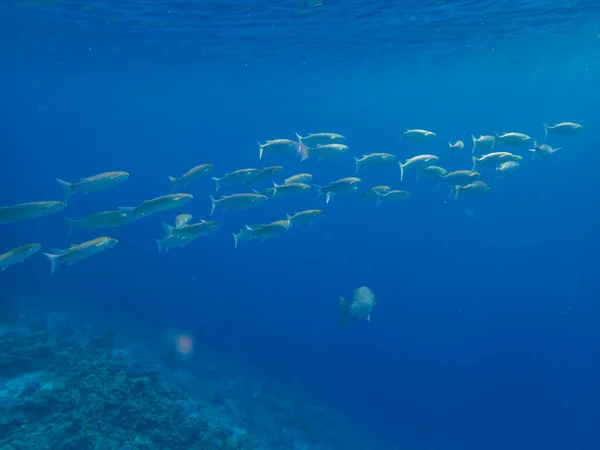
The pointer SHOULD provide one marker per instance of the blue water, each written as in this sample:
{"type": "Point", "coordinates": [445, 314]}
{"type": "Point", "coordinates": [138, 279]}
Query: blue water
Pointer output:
{"type": "Point", "coordinates": [486, 331]}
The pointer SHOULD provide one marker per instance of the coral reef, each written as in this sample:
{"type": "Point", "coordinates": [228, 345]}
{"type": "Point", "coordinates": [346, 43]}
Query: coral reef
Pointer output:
{"type": "Point", "coordinates": [64, 386]}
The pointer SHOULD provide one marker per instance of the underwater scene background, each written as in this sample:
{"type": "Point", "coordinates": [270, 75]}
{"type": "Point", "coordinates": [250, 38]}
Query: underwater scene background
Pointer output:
{"type": "Point", "coordinates": [485, 332]}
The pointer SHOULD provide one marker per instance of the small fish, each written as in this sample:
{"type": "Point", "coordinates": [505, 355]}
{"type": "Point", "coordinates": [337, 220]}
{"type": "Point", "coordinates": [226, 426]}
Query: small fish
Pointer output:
{"type": "Point", "coordinates": [184, 235]}
{"type": "Point", "coordinates": [434, 171]}
{"type": "Point", "coordinates": [513, 139]}
{"type": "Point", "coordinates": [182, 220]}
{"type": "Point", "coordinates": [476, 187]}
{"type": "Point", "coordinates": [373, 192]}
{"type": "Point", "coordinates": [306, 217]}
{"type": "Point", "coordinates": [312, 140]}
{"type": "Point", "coordinates": [92, 184]}
{"type": "Point", "coordinates": [264, 174]}
{"type": "Point", "coordinates": [342, 186]}
{"type": "Point", "coordinates": [281, 190]}
{"type": "Point", "coordinates": [562, 129]}
{"type": "Point", "coordinates": [236, 202]}
{"type": "Point", "coordinates": [460, 177]}
{"type": "Point", "coordinates": [458, 145]}
{"type": "Point", "coordinates": [362, 304]}
{"type": "Point", "coordinates": [544, 151]}
{"type": "Point", "coordinates": [417, 163]}
{"type": "Point", "coordinates": [373, 159]}
{"type": "Point", "coordinates": [486, 142]}
{"type": "Point", "coordinates": [280, 147]}
{"type": "Point", "coordinates": [494, 159]}
{"type": "Point", "coordinates": [33, 210]}
{"type": "Point", "coordinates": [392, 196]}
{"type": "Point", "coordinates": [17, 255]}
{"type": "Point", "coordinates": [237, 176]}
{"type": "Point", "coordinates": [104, 219]}
{"type": "Point", "coordinates": [158, 204]}
{"type": "Point", "coordinates": [305, 178]}
{"type": "Point", "coordinates": [191, 175]}
{"type": "Point", "coordinates": [507, 167]}
{"type": "Point", "coordinates": [418, 135]}
{"type": "Point", "coordinates": [324, 151]}
{"type": "Point", "coordinates": [261, 231]}
{"type": "Point", "coordinates": [78, 252]}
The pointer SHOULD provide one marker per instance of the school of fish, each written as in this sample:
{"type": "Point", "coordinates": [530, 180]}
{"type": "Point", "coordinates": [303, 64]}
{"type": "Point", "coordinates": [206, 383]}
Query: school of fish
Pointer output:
{"type": "Point", "coordinates": [496, 155]}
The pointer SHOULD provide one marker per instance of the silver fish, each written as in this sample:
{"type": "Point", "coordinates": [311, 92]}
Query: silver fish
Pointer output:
{"type": "Point", "coordinates": [342, 186]}
{"type": "Point", "coordinates": [17, 255]}
{"type": "Point", "coordinates": [92, 184]}
{"type": "Point", "coordinates": [360, 308]}
{"type": "Point", "coordinates": [33, 210]}
{"type": "Point", "coordinates": [236, 202]}
{"type": "Point", "coordinates": [194, 174]}
{"type": "Point", "coordinates": [81, 251]}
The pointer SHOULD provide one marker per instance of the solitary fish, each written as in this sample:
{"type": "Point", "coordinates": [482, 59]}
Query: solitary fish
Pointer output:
{"type": "Point", "coordinates": [476, 187]}
{"type": "Point", "coordinates": [236, 202]}
{"type": "Point", "coordinates": [393, 196]}
{"type": "Point", "coordinates": [104, 219]}
{"type": "Point", "coordinates": [418, 135]}
{"type": "Point", "coordinates": [562, 129]}
{"type": "Point", "coordinates": [158, 204]}
{"type": "Point", "coordinates": [458, 145]}
{"type": "Point", "coordinates": [312, 140]}
{"type": "Point", "coordinates": [237, 176]}
{"type": "Point", "coordinates": [264, 174]}
{"type": "Point", "coordinates": [305, 178]}
{"type": "Point", "coordinates": [373, 159]}
{"type": "Point", "coordinates": [513, 139]}
{"type": "Point", "coordinates": [281, 190]}
{"type": "Point", "coordinates": [92, 184]}
{"type": "Point", "coordinates": [79, 251]}
{"type": "Point", "coordinates": [544, 151]}
{"type": "Point", "coordinates": [374, 191]}
{"type": "Point", "coordinates": [486, 142]}
{"type": "Point", "coordinates": [279, 147]}
{"type": "Point", "coordinates": [324, 151]}
{"type": "Point", "coordinates": [360, 308]}
{"type": "Point", "coordinates": [191, 175]}
{"type": "Point", "coordinates": [417, 163]}
{"type": "Point", "coordinates": [306, 217]}
{"type": "Point", "coordinates": [342, 186]}
{"type": "Point", "coordinates": [17, 255]}
{"type": "Point", "coordinates": [33, 210]}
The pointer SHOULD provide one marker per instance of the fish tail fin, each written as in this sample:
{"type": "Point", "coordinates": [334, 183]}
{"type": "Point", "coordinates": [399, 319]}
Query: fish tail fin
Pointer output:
{"type": "Point", "coordinates": [261, 149]}
{"type": "Point", "coordinates": [475, 161]}
{"type": "Point", "coordinates": [173, 181]}
{"type": "Point", "coordinates": [474, 144]}
{"type": "Point", "coordinates": [401, 171]}
{"type": "Point", "coordinates": [554, 150]}
{"type": "Point", "coordinates": [213, 204]}
{"type": "Point", "coordinates": [159, 245]}
{"type": "Point", "coordinates": [53, 261]}
{"type": "Point", "coordinates": [299, 138]}
{"type": "Point", "coordinates": [379, 200]}
{"type": "Point", "coordinates": [168, 230]}
{"type": "Point", "coordinates": [71, 226]}
{"type": "Point", "coordinates": [319, 190]}
{"type": "Point", "coordinates": [275, 186]}
{"type": "Point", "coordinates": [303, 150]}
{"type": "Point", "coordinates": [69, 188]}
{"type": "Point", "coordinates": [456, 192]}
{"type": "Point", "coordinates": [344, 312]}
{"type": "Point", "coordinates": [327, 197]}
{"type": "Point", "coordinates": [533, 152]}
{"type": "Point", "coordinates": [217, 183]}
{"type": "Point", "coordinates": [545, 131]}
{"type": "Point", "coordinates": [357, 162]}
{"type": "Point", "coordinates": [289, 221]}
{"type": "Point", "coordinates": [236, 239]}
{"type": "Point", "coordinates": [451, 194]}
